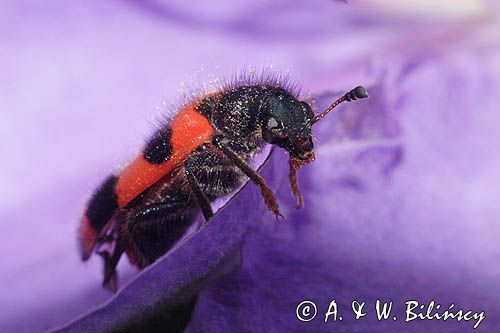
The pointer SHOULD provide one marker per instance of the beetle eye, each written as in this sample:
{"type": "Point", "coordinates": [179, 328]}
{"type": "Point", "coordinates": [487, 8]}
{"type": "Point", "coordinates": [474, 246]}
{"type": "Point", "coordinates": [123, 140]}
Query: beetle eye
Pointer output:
{"type": "Point", "coordinates": [275, 129]}
{"type": "Point", "coordinates": [272, 123]}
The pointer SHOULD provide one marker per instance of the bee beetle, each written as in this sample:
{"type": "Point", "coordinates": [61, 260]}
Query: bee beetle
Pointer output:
{"type": "Point", "coordinates": [201, 154]}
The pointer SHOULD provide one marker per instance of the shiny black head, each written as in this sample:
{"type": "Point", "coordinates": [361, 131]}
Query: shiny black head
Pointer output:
{"type": "Point", "coordinates": [287, 122]}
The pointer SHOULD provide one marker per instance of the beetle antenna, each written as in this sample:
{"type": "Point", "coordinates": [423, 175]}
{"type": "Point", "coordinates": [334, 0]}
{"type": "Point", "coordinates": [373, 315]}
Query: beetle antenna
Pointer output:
{"type": "Point", "coordinates": [357, 93]}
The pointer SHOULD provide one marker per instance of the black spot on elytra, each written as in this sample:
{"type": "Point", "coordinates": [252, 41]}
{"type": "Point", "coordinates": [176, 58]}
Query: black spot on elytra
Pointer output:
{"type": "Point", "coordinates": [159, 148]}
{"type": "Point", "coordinates": [103, 204]}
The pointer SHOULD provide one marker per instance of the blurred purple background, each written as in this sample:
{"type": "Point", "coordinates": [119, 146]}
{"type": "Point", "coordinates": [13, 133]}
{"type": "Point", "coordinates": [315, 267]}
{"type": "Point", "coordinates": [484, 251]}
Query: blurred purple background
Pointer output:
{"type": "Point", "coordinates": [402, 202]}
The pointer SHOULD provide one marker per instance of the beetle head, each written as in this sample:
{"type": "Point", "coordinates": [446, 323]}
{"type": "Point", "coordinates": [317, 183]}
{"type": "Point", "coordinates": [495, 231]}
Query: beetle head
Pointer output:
{"type": "Point", "coordinates": [287, 124]}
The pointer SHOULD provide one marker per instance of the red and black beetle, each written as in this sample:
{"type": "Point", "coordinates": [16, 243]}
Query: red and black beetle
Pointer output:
{"type": "Point", "coordinates": [202, 154]}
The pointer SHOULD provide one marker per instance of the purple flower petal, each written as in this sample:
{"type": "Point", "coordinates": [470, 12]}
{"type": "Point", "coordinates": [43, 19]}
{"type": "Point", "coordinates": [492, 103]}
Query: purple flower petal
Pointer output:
{"type": "Point", "coordinates": [396, 216]}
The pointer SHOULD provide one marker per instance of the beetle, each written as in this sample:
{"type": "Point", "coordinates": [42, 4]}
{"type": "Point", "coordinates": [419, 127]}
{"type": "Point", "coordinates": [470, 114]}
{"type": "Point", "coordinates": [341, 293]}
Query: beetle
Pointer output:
{"type": "Point", "coordinates": [201, 154]}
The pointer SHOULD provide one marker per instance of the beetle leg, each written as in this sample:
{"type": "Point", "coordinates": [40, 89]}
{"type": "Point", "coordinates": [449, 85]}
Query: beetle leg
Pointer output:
{"type": "Point", "coordinates": [292, 177]}
{"type": "Point", "coordinates": [267, 193]}
{"type": "Point", "coordinates": [110, 262]}
{"type": "Point", "coordinates": [201, 198]}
